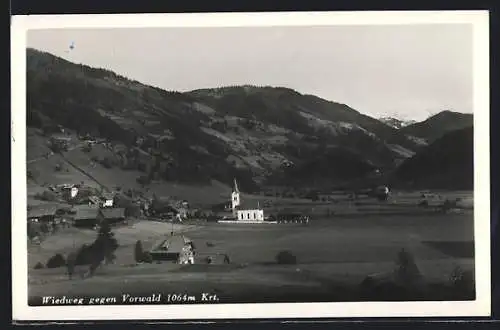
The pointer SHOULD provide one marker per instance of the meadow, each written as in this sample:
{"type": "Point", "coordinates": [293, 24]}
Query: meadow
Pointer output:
{"type": "Point", "coordinates": [333, 253]}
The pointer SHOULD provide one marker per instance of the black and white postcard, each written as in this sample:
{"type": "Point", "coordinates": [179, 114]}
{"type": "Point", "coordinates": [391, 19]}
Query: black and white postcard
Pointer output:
{"type": "Point", "coordinates": [250, 165]}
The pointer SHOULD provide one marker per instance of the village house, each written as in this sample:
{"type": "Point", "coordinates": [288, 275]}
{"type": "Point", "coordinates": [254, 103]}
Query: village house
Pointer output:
{"type": "Point", "coordinates": [107, 199]}
{"type": "Point", "coordinates": [111, 215]}
{"type": "Point", "coordinates": [85, 216]}
{"type": "Point", "coordinates": [60, 141]}
{"type": "Point", "coordinates": [45, 213]}
{"type": "Point", "coordinates": [171, 249]}
{"type": "Point", "coordinates": [69, 191]}
{"type": "Point", "coordinates": [162, 207]}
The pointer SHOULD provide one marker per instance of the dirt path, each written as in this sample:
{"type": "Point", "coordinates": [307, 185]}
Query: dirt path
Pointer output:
{"type": "Point", "coordinates": [84, 173]}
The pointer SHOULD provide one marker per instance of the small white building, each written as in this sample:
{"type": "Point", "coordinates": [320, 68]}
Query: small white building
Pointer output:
{"type": "Point", "coordinates": [70, 191]}
{"type": "Point", "coordinates": [107, 200]}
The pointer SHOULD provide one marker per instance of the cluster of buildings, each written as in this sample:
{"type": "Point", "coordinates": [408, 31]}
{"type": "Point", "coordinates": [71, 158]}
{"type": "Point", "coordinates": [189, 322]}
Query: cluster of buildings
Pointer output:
{"type": "Point", "coordinates": [79, 206]}
{"type": "Point", "coordinates": [166, 208]}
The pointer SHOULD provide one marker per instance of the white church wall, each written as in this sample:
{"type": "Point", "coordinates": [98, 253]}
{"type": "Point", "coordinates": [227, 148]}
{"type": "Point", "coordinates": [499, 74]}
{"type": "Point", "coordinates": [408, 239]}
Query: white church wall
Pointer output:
{"type": "Point", "coordinates": [246, 215]}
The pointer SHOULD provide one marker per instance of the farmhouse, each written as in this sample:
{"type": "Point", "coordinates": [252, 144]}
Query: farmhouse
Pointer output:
{"type": "Point", "coordinates": [42, 213]}
{"type": "Point", "coordinates": [85, 216]}
{"type": "Point", "coordinates": [70, 191]}
{"type": "Point", "coordinates": [60, 141]}
{"type": "Point", "coordinates": [171, 248]}
{"type": "Point", "coordinates": [244, 212]}
{"type": "Point", "coordinates": [159, 207]}
{"type": "Point", "coordinates": [111, 215]}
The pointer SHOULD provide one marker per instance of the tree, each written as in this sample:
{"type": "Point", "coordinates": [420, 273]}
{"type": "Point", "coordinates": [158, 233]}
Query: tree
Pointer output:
{"type": "Point", "coordinates": [106, 242]}
{"type": "Point", "coordinates": [138, 252]}
{"type": "Point", "coordinates": [71, 262]}
{"type": "Point", "coordinates": [103, 247]}
{"type": "Point", "coordinates": [286, 258]}
{"type": "Point", "coordinates": [56, 261]}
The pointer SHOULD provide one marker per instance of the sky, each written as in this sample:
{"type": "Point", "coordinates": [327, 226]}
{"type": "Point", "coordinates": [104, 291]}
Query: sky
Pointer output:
{"type": "Point", "coordinates": [404, 71]}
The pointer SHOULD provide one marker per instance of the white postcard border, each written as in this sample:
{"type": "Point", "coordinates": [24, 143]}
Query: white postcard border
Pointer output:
{"type": "Point", "coordinates": [480, 307]}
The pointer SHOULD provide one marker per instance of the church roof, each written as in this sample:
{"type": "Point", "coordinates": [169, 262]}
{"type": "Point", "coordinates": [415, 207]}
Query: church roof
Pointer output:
{"type": "Point", "coordinates": [249, 205]}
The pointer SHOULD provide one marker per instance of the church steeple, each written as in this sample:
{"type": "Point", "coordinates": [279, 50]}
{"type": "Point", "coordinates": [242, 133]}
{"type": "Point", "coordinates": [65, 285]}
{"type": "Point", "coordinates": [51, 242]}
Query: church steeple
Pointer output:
{"type": "Point", "coordinates": [235, 189]}
{"type": "Point", "coordinates": [235, 197]}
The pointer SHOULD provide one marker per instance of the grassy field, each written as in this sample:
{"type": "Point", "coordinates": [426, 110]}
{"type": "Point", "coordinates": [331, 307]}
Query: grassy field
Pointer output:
{"type": "Point", "coordinates": [333, 253]}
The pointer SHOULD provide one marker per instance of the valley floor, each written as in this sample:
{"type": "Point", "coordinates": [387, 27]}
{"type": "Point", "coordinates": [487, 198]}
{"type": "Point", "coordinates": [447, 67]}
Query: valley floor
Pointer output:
{"type": "Point", "coordinates": [334, 254]}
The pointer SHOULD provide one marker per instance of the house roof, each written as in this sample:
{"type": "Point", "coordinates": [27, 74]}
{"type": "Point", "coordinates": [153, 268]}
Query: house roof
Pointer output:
{"type": "Point", "coordinates": [108, 195]}
{"type": "Point", "coordinates": [94, 199]}
{"type": "Point", "coordinates": [113, 213]}
{"type": "Point", "coordinates": [173, 244]}
{"type": "Point", "coordinates": [61, 137]}
{"type": "Point", "coordinates": [42, 210]}
{"type": "Point", "coordinates": [85, 212]}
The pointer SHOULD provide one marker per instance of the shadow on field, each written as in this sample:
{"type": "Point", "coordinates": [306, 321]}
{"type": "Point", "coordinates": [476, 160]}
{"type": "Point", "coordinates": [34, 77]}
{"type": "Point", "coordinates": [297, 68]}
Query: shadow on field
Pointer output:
{"type": "Point", "coordinates": [453, 249]}
{"type": "Point", "coordinates": [204, 268]}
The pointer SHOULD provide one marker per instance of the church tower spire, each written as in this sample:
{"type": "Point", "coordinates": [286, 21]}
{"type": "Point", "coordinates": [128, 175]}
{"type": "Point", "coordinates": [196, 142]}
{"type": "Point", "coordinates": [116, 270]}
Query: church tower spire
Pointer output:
{"type": "Point", "coordinates": [236, 190]}
{"type": "Point", "coordinates": [235, 197]}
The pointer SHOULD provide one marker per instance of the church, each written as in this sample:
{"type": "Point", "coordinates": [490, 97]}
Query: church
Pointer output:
{"type": "Point", "coordinates": [241, 211]}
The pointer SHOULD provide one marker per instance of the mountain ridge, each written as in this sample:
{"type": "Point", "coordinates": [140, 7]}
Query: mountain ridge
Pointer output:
{"type": "Point", "coordinates": [437, 125]}
{"type": "Point", "coordinates": [244, 131]}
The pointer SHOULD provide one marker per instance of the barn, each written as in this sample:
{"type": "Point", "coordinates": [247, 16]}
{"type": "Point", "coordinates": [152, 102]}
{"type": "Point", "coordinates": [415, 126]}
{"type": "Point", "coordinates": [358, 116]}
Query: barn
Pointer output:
{"type": "Point", "coordinates": [42, 213]}
{"type": "Point", "coordinates": [171, 248]}
{"type": "Point", "coordinates": [112, 215]}
{"type": "Point", "coordinates": [85, 216]}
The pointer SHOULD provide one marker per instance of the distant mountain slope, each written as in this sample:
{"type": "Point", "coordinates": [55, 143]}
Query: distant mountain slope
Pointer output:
{"type": "Point", "coordinates": [246, 132]}
{"type": "Point", "coordinates": [447, 163]}
{"type": "Point", "coordinates": [396, 123]}
{"type": "Point", "coordinates": [439, 124]}
{"type": "Point", "coordinates": [330, 166]}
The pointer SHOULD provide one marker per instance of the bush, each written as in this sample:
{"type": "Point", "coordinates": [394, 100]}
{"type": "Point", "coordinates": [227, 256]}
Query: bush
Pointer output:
{"type": "Point", "coordinates": [286, 258]}
{"type": "Point", "coordinates": [39, 265]}
{"type": "Point", "coordinates": [448, 205]}
{"type": "Point", "coordinates": [462, 280]}
{"type": "Point", "coordinates": [132, 210]}
{"type": "Point", "coordinates": [144, 180]}
{"type": "Point", "coordinates": [87, 148]}
{"type": "Point", "coordinates": [56, 261]}
{"type": "Point", "coordinates": [31, 174]}
{"type": "Point", "coordinates": [48, 196]}
{"type": "Point", "coordinates": [107, 162]}
{"type": "Point", "coordinates": [147, 257]}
